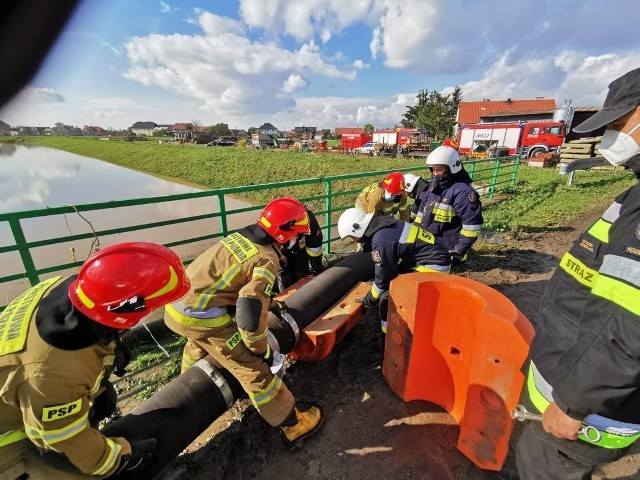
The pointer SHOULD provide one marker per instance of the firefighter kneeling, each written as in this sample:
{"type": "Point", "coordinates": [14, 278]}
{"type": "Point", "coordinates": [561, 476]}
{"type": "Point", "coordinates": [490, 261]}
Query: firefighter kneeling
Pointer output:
{"type": "Point", "coordinates": [59, 342]}
{"type": "Point", "coordinates": [238, 274]}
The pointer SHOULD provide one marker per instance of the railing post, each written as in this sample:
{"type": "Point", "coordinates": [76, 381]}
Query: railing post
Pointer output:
{"type": "Point", "coordinates": [472, 169]}
{"type": "Point", "coordinates": [515, 171]}
{"type": "Point", "coordinates": [223, 215]}
{"type": "Point", "coordinates": [327, 223]}
{"type": "Point", "coordinates": [494, 179]}
{"type": "Point", "coordinates": [25, 254]}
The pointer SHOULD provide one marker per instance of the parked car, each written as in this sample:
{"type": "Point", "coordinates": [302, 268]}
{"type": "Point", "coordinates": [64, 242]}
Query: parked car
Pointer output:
{"type": "Point", "coordinates": [366, 149]}
{"type": "Point", "coordinates": [221, 143]}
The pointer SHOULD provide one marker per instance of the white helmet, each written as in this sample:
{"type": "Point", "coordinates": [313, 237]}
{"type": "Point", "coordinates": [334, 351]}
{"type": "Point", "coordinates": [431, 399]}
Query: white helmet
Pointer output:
{"type": "Point", "coordinates": [353, 222]}
{"type": "Point", "coordinates": [444, 155]}
{"type": "Point", "coordinates": [410, 182]}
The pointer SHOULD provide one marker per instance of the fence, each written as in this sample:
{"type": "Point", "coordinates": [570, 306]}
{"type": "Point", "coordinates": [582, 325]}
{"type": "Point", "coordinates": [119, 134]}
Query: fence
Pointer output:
{"type": "Point", "coordinates": [335, 194]}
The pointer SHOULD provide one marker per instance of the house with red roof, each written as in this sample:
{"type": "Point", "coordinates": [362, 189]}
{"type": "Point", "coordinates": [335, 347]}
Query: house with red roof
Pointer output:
{"type": "Point", "coordinates": [494, 111]}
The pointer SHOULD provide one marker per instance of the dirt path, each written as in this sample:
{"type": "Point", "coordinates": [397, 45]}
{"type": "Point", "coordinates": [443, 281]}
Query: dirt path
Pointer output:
{"type": "Point", "coordinates": [369, 432]}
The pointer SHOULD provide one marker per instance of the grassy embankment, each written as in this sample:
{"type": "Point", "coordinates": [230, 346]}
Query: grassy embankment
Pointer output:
{"type": "Point", "coordinates": [540, 199]}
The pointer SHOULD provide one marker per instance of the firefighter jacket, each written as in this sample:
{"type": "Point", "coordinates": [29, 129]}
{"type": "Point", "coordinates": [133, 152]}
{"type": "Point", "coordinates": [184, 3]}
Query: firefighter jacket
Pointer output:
{"type": "Point", "coordinates": [237, 272]}
{"type": "Point", "coordinates": [400, 247]}
{"type": "Point", "coordinates": [52, 364]}
{"type": "Point", "coordinates": [371, 200]}
{"type": "Point", "coordinates": [588, 330]}
{"type": "Point", "coordinates": [421, 186]}
{"type": "Point", "coordinates": [310, 245]}
{"type": "Point", "coordinates": [452, 211]}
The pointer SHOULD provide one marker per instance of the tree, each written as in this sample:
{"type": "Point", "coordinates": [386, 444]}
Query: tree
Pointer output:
{"type": "Point", "coordinates": [195, 123]}
{"type": "Point", "coordinates": [252, 130]}
{"type": "Point", "coordinates": [368, 128]}
{"type": "Point", "coordinates": [219, 130]}
{"type": "Point", "coordinates": [435, 112]}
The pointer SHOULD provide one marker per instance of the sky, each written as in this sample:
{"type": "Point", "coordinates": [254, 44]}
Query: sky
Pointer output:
{"type": "Point", "coordinates": [320, 63]}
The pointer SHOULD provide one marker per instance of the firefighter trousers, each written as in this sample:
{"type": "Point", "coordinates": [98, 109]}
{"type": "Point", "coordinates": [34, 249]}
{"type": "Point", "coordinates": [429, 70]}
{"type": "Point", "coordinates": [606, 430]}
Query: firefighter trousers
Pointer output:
{"type": "Point", "coordinates": [267, 391]}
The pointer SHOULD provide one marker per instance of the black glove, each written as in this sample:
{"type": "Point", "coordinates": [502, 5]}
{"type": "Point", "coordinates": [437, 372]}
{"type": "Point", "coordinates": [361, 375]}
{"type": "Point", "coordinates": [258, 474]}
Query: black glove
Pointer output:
{"type": "Point", "coordinates": [368, 300]}
{"type": "Point", "coordinates": [317, 265]}
{"type": "Point", "coordinates": [104, 404]}
{"type": "Point", "coordinates": [122, 358]}
{"type": "Point", "coordinates": [278, 307]}
{"type": "Point", "coordinates": [457, 258]}
{"type": "Point", "coordinates": [141, 455]}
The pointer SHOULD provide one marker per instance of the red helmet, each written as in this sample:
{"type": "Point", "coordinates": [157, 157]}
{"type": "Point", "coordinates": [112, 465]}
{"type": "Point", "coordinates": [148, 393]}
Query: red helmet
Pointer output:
{"type": "Point", "coordinates": [450, 142]}
{"type": "Point", "coordinates": [284, 219]}
{"type": "Point", "coordinates": [393, 183]}
{"type": "Point", "coordinates": [122, 283]}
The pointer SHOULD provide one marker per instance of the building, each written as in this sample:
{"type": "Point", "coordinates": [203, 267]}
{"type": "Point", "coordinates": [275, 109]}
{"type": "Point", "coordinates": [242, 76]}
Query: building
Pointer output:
{"type": "Point", "coordinates": [143, 128]}
{"type": "Point", "coordinates": [348, 131]}
{"type": "Point", "coordinates": [498, 111]}
{"type": "Point", "coordinates": [4, 128]}
{"type": "Point", "coordinates": [268, 129]}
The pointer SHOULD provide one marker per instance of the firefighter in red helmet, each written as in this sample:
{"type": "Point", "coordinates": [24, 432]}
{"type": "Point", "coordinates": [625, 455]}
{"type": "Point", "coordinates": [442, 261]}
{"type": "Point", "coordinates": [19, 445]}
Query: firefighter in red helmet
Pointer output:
{"type": "Point", "coordinates": [224, 313]}
{"type": "Point", "coordinates": [59, 342]}
{"type": "Point", "coordinates": [387, 197]}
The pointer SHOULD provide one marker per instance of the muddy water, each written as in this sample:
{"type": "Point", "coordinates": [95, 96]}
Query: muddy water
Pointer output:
{"type": "Point", "coordinates": [38, 177]}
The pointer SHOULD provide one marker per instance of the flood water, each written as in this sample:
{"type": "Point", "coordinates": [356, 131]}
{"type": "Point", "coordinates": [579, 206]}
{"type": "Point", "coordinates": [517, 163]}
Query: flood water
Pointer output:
{"type": "Point", "coordinates": [38, 177]}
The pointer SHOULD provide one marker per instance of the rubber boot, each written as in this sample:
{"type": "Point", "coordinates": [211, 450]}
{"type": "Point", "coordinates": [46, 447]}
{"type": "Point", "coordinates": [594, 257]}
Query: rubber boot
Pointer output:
{"type": "Point", "coordinates": [301, 425]}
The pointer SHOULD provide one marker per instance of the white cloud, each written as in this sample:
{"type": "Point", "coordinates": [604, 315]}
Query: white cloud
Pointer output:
{"type": "Point", "coordinates": [165, 7]}
{"type": "Point", "coordinates": [293, 84]}
{"type": "Point", "coordinates": [229, 73]}
{"type": "Point", "coordinates": [41, 95]}
{"type": "Point", "coordinates": [360, 65]}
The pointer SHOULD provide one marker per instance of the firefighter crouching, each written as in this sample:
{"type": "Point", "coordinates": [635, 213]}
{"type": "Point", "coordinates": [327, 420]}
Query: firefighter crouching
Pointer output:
{"type": "Point", "coordinates": [386, 198]}
{"type": "Point", "coordinates": [396, 247]}
{"type": "Point", "coordinates": [450, 207]}
{"type": "Point", "coordinates": [59, 342]}
{"type": "Point", "coordinates": [238, 274]}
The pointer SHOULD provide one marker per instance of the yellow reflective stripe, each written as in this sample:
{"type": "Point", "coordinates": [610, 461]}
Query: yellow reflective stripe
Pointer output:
{"type": "Point", "coordinates": [600, 230]}
{"type": "Point", "coordinates": [83, 297]}
{"type": "Point", "coordinates": [314, 252]}
{"type": "Point", "coordinates": [188, 361]}
{"type": "Point", "coordinates": [413, 233]}
{"type": "Point", "coordinates": [607, 440]}
{"type": "Point", "coordinates": [261, 272]}
{"type": "Point", "coordinates": [376, 292]}
{"type": "Point", "coordinates": [12, 436]}
{"type": "Point", "coordinates": [620, 293]}
{"type": "Point", "coordinates": [222, 283]}
{"type": "Point", "coordinates": [535, 396]}
{"type": "Point", "coordinates": [183, 319]}
{"type": "Point", "coordinates": [51, 437]}
{"type": "Point", "coordinates": [14, 320]}
{"type": "Point", "coordinates": [267, 394]}
{"type": "Point", "coordinates": [171, 284]}
{"type": "Point", "coordinates": [109, 463]}
{"type": "Point", "coordinates": [470, 233]}
{"type": "Point", "coordinates": [433, 268]}
{"type": "Point", "coordinates": [106, 362]}
{"type": "Point", "coordinates": [253, 338]}
{"type": "Point", "coordinates": [578, 270]}
{"type": "Point", "coordinates": [240, 247]}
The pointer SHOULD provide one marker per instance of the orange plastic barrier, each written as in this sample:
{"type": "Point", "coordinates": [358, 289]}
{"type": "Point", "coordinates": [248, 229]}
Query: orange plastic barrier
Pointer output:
{"type": "Point", "coordinates": [460, 344]}
{"type": "Point", "coordinates": [319, 338]}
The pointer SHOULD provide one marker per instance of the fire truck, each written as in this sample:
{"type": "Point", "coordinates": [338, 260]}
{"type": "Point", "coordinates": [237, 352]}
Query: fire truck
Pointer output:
{"type": "Point", "coordinates": [527, 139]}
{"type": "Point", "coordinates": [409, 141]}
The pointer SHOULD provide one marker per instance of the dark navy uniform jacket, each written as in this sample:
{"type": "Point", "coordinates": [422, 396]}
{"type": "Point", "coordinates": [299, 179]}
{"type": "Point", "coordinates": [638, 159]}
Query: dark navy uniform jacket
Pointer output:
{"type": "Point", "coordinates": [451, 211]}
{"type": "Point", "coordinates": [400, 247]}
{"type": "Point", "coordinates": [587, 343]}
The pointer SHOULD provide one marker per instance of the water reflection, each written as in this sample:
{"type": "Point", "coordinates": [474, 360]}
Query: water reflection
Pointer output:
{"type": "Point", "coordinates": [33, 178]}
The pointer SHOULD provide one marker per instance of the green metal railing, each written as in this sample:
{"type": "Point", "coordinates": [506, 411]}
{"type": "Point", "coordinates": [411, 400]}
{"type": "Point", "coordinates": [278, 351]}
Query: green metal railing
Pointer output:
{"type": "Point", "coordinates": [489, 175]}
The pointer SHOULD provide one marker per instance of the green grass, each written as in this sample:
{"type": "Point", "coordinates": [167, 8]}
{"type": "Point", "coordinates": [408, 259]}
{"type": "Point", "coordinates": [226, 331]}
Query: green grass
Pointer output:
{"type": "Point", "coordinates": [540, 198]}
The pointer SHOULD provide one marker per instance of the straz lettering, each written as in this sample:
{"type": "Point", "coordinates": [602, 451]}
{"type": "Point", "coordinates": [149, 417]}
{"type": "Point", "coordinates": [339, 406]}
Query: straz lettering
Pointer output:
{"type": "Point", "coordinates": [57, 412]}
{"type": "Point", "coordinates": [581, 272]}
{"type": "Point", "coordinates": [632, 250]}
{"type": "Point", "coordinates": [233, 341]}
{"type": "Point", "coordinates": [587, 245]}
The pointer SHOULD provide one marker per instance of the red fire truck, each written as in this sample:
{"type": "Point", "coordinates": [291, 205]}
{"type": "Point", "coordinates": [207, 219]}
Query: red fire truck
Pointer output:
{"type": "Point", "coordinates": [526, 139]}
